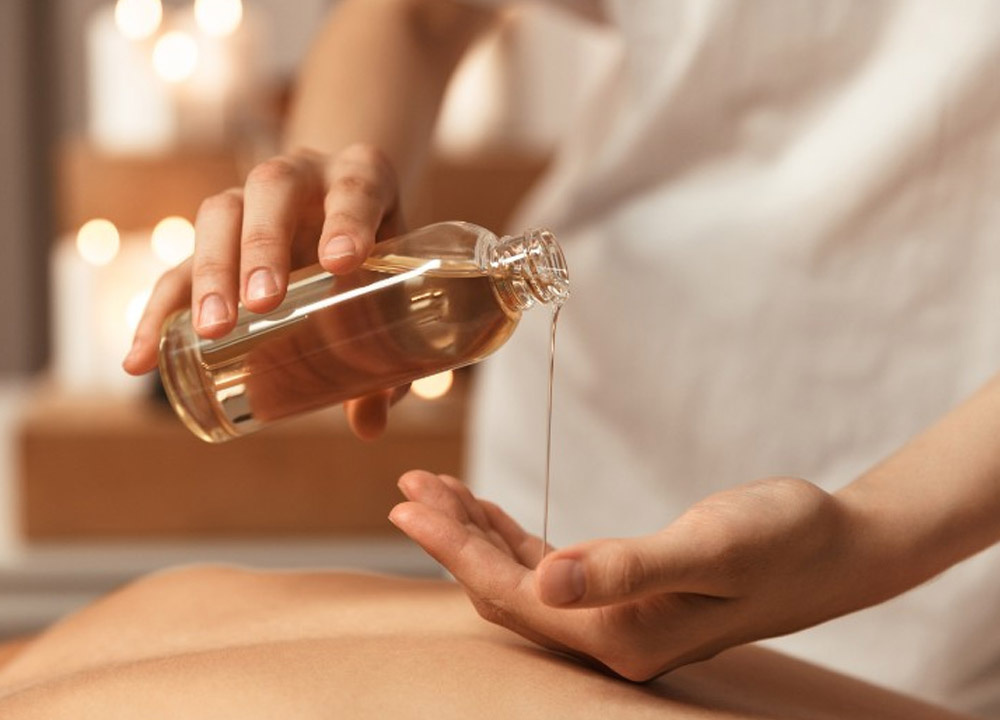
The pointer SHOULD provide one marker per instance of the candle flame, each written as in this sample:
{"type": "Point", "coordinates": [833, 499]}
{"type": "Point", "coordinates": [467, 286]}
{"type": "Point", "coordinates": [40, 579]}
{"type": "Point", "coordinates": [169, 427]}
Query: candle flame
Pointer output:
{"type": "Point", "coordinates": [175, 56]}
{"type": "Point", "coordinates": [97, 241]}
{"type": "Point", "coordinates": [138, 19]}
{"type": "Point", "coordinates": [218, 17]}
{"type": "Point", "coordinates": [433, 386]}
{"type": "Point", "coordinates": [173, 239]}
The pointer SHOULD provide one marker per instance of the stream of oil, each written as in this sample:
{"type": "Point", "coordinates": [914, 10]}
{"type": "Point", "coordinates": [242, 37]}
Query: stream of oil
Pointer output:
{"type": "Point", "coordinates": [548, 432]}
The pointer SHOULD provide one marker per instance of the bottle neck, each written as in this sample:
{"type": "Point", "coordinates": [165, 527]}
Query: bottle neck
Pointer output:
{"type": "Point", "coordinates": [525, 269]}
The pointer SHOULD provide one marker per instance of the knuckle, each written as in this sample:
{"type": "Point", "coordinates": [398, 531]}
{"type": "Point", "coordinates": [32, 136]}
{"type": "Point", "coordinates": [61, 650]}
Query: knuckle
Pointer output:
{"type": "Point", "coordinates": [626, 571]}
{"type": "Point", "coordinates": [225, 204]}
{"type": "Point", "coordinates": [344, 219]}
{"type": "Point", "coordinates": [278, 170]}
{"type": "Point", "coordinates": [208, 267]}
{"type": "Point", "coordinates": [726, 549]}
{"type": "Point", "coordinates": [355, 185]}
{"type": "Point", "coordinates": [367, 154]}
{"type": "Point", "coordinates": [260, 238]}
{"type": "Point", "coordinates": [345, 222]}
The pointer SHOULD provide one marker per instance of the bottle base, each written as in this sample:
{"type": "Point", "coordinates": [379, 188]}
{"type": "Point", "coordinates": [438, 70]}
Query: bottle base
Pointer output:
{"type": "Point", "coordinates": [186, 385]}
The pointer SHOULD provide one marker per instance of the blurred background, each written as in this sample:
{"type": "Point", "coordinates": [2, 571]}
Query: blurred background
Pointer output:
{"type": "Point", "coordinates": [116, 120]}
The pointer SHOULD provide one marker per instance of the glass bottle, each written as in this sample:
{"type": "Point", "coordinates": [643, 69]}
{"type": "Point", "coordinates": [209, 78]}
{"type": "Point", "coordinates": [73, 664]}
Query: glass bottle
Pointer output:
{"type": "Point", "coordinates": [437, 298]}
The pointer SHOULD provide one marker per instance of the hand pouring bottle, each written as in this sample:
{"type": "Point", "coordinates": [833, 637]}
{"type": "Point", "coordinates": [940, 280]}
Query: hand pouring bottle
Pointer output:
{"type": "Point", "coordinates": [437, 298]}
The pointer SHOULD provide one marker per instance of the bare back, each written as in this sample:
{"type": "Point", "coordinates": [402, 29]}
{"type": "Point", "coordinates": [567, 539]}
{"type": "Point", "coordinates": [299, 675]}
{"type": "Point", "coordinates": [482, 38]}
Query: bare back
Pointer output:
{"type": "Point", "coordinates": [213, 642]}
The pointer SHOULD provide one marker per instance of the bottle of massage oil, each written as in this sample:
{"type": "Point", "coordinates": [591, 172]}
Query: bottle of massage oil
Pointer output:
{"type": "Point", "coordinates": [437, 298]}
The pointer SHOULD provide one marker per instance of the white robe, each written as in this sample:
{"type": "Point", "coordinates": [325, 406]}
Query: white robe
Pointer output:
{"type": "Point", "coordinates": [782, 224]}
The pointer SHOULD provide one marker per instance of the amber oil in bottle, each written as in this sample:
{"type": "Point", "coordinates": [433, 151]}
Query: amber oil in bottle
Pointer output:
{"type": "Point", "coordinates": [437, 298]}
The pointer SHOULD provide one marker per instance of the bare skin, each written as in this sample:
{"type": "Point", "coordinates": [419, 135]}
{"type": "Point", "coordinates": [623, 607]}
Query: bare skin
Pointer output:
{"type": "Point", "coordinates": [764, 559]}
{"type": "Point", "coordinates": [219, 643]}
{"type": "Point", "coordinates": [760, 560]}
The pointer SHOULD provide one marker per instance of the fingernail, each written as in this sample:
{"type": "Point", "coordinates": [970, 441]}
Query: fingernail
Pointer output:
{"type": "Point", "coordinates": [397, 515]}
{"type": "Point", "coordinates": [337, 247]}
{"type": "Point", "coordinates": [213, 311]}
{"type": "Point", "coordinates": [261, 284]}
{"type": "Point", "coordinates": [563, 582]}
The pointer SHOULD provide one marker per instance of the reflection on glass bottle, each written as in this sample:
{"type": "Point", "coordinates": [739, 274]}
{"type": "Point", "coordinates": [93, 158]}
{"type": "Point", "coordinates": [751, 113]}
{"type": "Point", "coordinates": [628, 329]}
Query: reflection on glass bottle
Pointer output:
{"type": "Point", "coordinates": [437, 298]}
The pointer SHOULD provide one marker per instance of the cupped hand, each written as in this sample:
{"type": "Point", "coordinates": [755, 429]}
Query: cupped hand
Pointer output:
{"type": "Point", "coordinates": [757, 561]}
{"type": "Point", "coordinates": [293, 211]}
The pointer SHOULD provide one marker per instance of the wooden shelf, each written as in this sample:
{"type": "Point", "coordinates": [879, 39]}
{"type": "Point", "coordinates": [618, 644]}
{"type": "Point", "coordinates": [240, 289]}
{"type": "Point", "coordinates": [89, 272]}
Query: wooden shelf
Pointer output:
{"type": "Point", "coordinates": [136, 192]}
{"type": "Point", "coordinates": [100, 467]}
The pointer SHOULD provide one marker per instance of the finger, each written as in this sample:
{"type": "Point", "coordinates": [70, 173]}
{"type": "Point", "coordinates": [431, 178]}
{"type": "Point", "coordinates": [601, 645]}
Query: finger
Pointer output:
{"type": "Point", "coordinates": [171, 293]}
{"type": "Point", "coordinates": [398, 393]}
{"type": "Point", "coordinates": [410, 483]}
{"type": "Point", "coordinates": [602, 572]}
{"type": "Point", "coordinates": [362, 192]}
{"type": "Point", "coordinates": [368, 416]}
{"type": "Point", "coordinates": [498, 586]}
{"type": "Point", "coordinates": [473, 560]}
{"type": "Point", "coordinates": [469, 501]}
{"type": "Point", "coordinates": [275, 195]}
{"type": "Point", "coordinates": [428, 489]}
{"type": "Point", "coordinates": [637, 642]}
{"type": "Point", "coordinates": [525, 546]}
{"type": "Point", "coordinates": [215, 263]}
{"type": "Point", "coordinates": [449, 496]}
{"type": "Point", "coordinates": [474, 508]}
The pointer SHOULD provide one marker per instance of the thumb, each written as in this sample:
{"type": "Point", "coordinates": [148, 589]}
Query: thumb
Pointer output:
{"type": "Point", "coordinates": [603, 572]}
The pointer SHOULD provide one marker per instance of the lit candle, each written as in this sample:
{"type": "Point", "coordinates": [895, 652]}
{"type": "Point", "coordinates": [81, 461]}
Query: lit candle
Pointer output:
{"type": "Point", "coordinates": [138, 19]}
{"type": "Point", "coordinates": [175, 56]}
{"type": "Point", "coordinates": [100, 286]}
{"type": "Point", "coordinates": [74, 287]}
{"type": "Point", "coordinates": [130, 109]}
{"type": "Point", "coordinates": [218, 18]}
{"type": "Point", "coordinates": [172, 240]}
{"type": "Point", "coordinates": [433, 386]}
{"type": "Point", "coordinates": [221, 84]}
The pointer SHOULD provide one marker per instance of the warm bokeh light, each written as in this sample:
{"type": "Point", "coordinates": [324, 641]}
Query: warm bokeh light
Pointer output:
{"type": "Point", "coordinates": [218, 17]}
{"type": "Point", "coordinates": [98, 241]}
{"type": "Point", "coordinates": [175, 56]}
{"type": "Point", "coordinates": [433, 386]}
{"type": "Point", "coordinates": [138, 19]}
{"type": "Point", "coordinates": [133, 311]}
{"type": "Point", "coordinates": [173, 239]}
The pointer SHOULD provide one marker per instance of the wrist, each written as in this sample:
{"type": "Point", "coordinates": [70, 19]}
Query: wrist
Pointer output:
{"type": "Point", "coordinates": [894, 547]}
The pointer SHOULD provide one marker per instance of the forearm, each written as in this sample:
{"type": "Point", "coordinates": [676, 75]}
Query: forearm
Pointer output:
{"type": "Point", "coordinates": [377, 74]}
{"type": "Point", "coordinates": [935, 501]}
